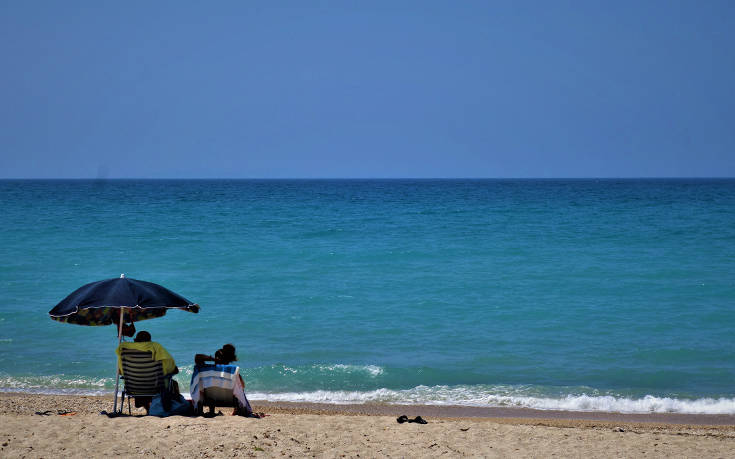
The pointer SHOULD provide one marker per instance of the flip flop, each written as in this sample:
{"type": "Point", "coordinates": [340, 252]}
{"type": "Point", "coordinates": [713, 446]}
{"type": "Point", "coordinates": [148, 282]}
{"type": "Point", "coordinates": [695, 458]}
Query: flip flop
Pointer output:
{"type": "Point", "coordinates": [418, 420]}
{"type": "Point", "coordinates": [44, 413]}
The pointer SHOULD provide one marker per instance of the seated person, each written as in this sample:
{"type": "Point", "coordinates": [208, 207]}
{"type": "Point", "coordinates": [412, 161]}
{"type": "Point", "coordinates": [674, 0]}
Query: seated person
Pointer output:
{"type": "Point", "coordinates": [143, 342]}
{"type": "Point", "coordinates": [224, 356]}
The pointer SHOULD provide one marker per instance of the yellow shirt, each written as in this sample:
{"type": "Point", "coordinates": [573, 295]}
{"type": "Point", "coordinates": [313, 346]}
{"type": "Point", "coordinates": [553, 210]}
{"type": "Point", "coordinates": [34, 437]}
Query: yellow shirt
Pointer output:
{"type": "Point", "coordinates": [158, 352]}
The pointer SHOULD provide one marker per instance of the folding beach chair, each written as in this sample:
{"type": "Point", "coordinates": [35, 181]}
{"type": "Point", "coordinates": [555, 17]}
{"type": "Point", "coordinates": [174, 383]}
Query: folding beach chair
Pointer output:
{"type": "Point", "coordinates": [142, 376]}
{"type": "Point", "coordinates": [218, 385]}
{"type": "Point", "coordinates": [218, 396]}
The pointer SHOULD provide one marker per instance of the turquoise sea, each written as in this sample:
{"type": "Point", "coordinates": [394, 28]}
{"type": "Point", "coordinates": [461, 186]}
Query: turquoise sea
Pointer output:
{"type": "Point", "coordinates": [611, 295]}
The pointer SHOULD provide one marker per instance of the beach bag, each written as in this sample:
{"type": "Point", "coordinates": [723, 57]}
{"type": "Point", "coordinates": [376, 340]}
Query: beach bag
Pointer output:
{"type": "Point", "coordinates": [176, 405]}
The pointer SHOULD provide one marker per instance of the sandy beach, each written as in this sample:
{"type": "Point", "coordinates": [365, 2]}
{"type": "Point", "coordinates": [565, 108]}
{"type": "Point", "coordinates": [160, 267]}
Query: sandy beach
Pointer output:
{"type": "Point", "coordinates": [312, 430]}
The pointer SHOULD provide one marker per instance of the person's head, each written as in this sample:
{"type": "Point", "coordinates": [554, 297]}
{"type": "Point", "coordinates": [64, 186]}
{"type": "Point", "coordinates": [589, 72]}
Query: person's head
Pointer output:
{"type": "Point", "coordinates": [142, 337]}
{"type": "Point", "coordinates": [225, 355]}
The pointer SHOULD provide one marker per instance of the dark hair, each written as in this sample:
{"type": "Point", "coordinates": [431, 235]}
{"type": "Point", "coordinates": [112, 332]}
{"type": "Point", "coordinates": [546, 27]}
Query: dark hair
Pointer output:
{"type": "Point", "coordinates": [226, 354]}
{"type": "Point", "coordinates": [142, 337]}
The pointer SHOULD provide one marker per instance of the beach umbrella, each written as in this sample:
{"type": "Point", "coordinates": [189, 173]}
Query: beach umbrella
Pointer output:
{"type": "Point", "coordinates": [118, 301]}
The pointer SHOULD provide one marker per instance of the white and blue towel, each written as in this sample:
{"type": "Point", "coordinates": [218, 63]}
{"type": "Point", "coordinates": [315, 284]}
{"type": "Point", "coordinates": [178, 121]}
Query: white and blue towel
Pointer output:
{"type": "Point", "coordinates": [217, 376]}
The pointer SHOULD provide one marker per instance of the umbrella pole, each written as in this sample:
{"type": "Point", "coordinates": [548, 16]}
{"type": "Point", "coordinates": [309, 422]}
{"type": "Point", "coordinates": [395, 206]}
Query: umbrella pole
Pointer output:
{"type": "Point", "coordinates": [117, 366]}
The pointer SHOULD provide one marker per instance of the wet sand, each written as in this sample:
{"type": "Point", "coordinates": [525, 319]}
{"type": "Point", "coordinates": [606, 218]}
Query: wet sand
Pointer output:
{"type": "Point", "coordinates": [301, 429]}
{"type": "Point", "coordinates": [505, 413]}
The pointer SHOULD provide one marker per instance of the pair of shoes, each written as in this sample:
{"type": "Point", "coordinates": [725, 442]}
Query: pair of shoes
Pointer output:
{"type": "Point", "coordinates": [418, 419]}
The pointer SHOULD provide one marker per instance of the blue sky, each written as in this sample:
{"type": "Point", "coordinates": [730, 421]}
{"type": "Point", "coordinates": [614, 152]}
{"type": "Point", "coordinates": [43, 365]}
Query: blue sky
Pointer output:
{"type": "Point", "coordinates": [310, 89]}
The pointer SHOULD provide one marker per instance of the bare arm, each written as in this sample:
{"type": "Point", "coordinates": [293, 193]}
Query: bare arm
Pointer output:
{"type": "Point", "coordinates": [200, 359]}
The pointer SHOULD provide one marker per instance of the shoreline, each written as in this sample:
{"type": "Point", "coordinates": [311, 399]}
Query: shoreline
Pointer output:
{"type": "Point", "coordinates": [93, 404]}
{"type": "Point", "coordinates": [457, 412]}
{"type": "Point", "coordinates": [717, 411]}
{"type": "Point", "coordinates": [33, 425]}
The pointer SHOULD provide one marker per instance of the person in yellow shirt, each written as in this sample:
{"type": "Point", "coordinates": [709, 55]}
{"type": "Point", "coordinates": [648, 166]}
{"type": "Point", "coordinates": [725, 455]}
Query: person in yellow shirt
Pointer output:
{"type": "Point", "coordinates": [143, 342]}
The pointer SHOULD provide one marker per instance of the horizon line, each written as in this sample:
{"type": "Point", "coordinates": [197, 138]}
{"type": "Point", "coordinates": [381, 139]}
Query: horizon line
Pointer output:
{"type": "Point", "coordinates": [102, 179]}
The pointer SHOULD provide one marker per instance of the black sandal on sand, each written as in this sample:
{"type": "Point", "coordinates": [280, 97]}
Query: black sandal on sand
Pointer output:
{"type": "Point", "coordinates": [401, 419]}
{"type": "Point", "coordinates": [418, 420]}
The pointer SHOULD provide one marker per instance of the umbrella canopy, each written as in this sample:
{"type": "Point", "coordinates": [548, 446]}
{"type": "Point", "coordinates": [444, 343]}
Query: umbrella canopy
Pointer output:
{"type": "Point", "coordinates": [100, 303]}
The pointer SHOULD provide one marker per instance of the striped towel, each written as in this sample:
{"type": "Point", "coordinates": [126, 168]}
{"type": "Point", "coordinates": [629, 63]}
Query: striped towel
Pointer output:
{"type": "Point", "coordinates": [223, 377]}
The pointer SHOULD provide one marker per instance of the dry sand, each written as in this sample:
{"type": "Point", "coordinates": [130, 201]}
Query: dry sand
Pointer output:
{"type": "Point", "coordinates": [306, 430]}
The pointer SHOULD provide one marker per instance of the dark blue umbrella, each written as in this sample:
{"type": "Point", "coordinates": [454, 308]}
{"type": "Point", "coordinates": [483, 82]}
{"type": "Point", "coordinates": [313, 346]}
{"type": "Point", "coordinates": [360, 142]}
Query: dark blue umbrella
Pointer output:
{"type": "Point", "coordinates": [118, 301]}
{"type": "Point", "coordinates": [102, 302]}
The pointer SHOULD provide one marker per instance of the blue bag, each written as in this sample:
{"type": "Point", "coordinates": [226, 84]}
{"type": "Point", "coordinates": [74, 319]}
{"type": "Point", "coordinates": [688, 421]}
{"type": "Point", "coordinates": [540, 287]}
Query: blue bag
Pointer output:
{"type": "Point", "coordinates": [177, 405]}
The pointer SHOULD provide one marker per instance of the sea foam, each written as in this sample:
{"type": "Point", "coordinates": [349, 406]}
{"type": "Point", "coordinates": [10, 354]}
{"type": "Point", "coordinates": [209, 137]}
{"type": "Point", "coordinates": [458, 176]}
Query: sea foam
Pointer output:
{"type": "Point", "coordinates": [468, 396]}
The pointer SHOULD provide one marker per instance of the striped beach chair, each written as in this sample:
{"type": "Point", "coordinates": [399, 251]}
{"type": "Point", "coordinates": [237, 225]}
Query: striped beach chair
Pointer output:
{"type": "Point", "coordinates": [142, 376]}
{"type": "Point", "coordinates": [218, 385]}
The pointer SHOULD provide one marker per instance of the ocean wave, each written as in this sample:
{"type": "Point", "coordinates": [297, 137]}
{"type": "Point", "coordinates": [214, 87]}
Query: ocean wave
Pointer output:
{"type": "Point", "coordinates": [57, 384]}
{"type": "Point", "coordinates": [305, 375]}
{"type": "Point", "coordinates": [369, 370]}
{"type": "Point", "coordinates": [483, 396]}
{"type": "Point", "coordinates": [525, 396]}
